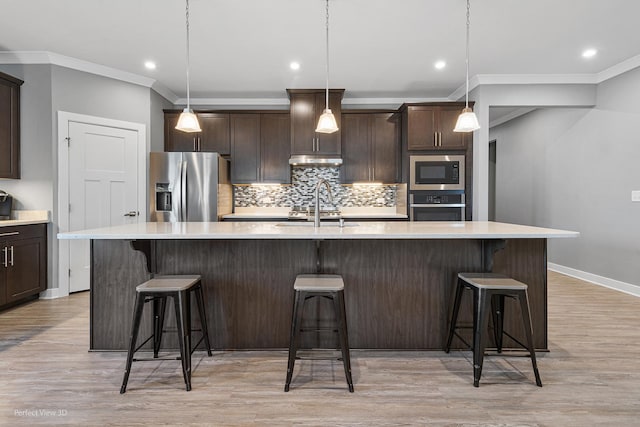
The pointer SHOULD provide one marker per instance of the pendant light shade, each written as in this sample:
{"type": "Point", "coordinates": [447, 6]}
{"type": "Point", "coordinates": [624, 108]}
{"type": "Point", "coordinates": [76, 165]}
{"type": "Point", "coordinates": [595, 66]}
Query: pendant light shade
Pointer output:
{"type": "Point", "coordinates": [327, 122]}
{"type": "Point", "coordinates": [467, 120]}
{"type": "Point", "coordinates": [188, 121]}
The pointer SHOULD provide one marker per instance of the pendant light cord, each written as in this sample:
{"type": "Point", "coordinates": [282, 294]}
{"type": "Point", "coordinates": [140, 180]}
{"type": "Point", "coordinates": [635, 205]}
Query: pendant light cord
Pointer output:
{"type": "Point", "coordinates": [467, 60]}
{"type": "Point", "coordinates": [187, 16]}
{"type": "Point", "coordinates": [327, 52]}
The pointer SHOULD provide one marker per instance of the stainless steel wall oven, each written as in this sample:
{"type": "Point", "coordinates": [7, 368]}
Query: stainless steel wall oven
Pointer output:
{"type": "Point", "coordinates": [437, 206]}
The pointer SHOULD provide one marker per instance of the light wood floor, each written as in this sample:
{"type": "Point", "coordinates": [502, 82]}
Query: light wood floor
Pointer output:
{"type": "Point", "coordinates": [591, 377]}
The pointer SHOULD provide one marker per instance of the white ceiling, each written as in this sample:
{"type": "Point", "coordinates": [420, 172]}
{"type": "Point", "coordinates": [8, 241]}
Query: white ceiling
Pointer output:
{"type": "Point", "coordinates": [379, 49]}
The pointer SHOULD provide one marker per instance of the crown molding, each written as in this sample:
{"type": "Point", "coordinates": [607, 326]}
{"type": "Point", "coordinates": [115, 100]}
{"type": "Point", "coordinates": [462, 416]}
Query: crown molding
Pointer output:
{"type": "Point", "coordinates": [44, 57]}
{"type": "Point", "coordinates": [620, 68]}
{"type": "Point", "coordinates": [234, 101]}
{"type": "Point", "coordinates": [165, 92]}
{"type": "Point", "coordinates": [512, 115]}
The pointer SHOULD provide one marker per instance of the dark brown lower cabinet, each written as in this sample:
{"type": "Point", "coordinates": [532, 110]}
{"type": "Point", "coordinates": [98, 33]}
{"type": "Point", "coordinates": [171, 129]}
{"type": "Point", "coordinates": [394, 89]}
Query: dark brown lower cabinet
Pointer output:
{"type": "Point", "coordinates": [23, 262]}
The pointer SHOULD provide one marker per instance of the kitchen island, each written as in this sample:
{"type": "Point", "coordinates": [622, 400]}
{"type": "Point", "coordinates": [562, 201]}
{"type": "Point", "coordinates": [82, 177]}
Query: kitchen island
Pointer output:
{"type": "Point", "coordinates": [399, 277]}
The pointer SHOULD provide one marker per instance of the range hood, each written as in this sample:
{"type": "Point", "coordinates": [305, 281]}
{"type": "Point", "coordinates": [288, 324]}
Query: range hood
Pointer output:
{"type": "Point", "coordinates": [315, 160]}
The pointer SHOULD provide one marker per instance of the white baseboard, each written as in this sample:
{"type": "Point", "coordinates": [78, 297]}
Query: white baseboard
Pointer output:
{"type": "Point", "coordinates": [50, 293]}
{"type": "Point", "coordinates": [617, 285]}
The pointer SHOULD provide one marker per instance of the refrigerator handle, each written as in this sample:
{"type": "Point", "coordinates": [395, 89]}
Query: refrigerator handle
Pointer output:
{"type": "Point", "coordinates": [183, 191]}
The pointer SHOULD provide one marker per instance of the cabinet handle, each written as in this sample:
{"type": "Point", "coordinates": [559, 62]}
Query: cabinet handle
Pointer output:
{"type": "Point", "coordinates": [439, 139]}
{"type": "Point", "coordinates": [199, 143]}
{"type": "Point", "coordinates": [11, 259]}
{"type": "Point", "coordinates": [195, 144]}
{"type": "Point", "coordinates": [5, 264]}
{"type": "Point", "coordinates": [435, 139]}
{"type": "Point", "coordinates": [13, 233]}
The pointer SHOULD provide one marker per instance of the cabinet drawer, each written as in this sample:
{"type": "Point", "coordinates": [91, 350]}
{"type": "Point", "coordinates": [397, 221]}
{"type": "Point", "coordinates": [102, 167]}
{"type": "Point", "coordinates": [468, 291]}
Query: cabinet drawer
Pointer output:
{"type": "Point", "coordinates": [23, 231]}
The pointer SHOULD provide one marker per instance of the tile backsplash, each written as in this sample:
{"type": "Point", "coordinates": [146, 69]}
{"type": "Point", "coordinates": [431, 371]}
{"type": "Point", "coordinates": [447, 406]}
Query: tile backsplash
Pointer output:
{"type": "Point", "coordinates": [301, 192]}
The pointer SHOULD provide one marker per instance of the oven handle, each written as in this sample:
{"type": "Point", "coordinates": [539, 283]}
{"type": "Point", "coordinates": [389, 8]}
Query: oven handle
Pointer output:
{"type": "Point", "coordinates": [438, 205]}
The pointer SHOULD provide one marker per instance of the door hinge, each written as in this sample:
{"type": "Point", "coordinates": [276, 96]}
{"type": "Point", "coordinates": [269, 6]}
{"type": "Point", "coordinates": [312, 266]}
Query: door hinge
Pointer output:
{"type": "Point", "coordinates": [69, 272]}
{"type": "Point", "coordinates": [68, 141]}
{"type": "Point", "coordinates": [69, 207]}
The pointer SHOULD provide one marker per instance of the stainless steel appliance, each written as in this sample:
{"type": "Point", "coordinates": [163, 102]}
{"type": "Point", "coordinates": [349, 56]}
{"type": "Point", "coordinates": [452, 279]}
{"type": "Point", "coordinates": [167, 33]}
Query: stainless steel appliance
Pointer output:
{"type": "Point", "coordinates": [437, 206]}
{"type": "Point", "coordinates": [5, 205]}
{"type": "Point", "coordinates": [436, 172]}
{"type": "Point", "coordinates": [189, 187]}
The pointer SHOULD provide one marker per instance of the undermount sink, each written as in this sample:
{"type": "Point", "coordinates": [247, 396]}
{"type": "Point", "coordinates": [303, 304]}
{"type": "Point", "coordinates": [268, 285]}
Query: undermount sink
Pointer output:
{"type": "Point", "coordinates": [310, 224]}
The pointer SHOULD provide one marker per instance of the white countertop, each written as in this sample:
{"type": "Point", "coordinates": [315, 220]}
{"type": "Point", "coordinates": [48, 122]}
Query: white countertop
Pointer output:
{"type": "Point", "coordinates": [305, 230]}
{"type": "Point", "coordinates": [26, 218]}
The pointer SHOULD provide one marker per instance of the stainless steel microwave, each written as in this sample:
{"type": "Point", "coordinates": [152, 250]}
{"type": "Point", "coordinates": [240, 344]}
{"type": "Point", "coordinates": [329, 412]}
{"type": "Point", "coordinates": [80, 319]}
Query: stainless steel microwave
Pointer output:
{"type": "Point", "coordinates": [436, 172]}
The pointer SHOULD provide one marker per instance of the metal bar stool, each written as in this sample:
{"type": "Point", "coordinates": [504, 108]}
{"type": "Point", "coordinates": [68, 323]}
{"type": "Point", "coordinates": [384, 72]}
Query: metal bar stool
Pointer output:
{"type": "Point", "coordinates": [319, 285]}
{"type": "Point", "coordinates": [489, 292]}
{"type": "Point", "coordinates": [157, 290]}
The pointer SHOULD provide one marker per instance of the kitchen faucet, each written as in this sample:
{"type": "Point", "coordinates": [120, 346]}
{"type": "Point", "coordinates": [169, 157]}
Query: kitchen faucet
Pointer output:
{"type": "Point", "coordinates": [316, 214]}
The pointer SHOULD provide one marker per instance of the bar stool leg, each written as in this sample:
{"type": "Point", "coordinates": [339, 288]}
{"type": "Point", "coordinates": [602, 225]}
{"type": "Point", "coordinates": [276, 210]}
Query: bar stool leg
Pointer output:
{"type": "Point", "coordinates": [203, 317]}
{"type": "Point", "coordinates": [480, 323]}
{"type": "Point", "coordinates": [341, 317]}
{"type": "Point", "coordinates": [159, 307]}
{"type": "Point", "coordinates": [137, 316]}
{"type": "Point", "coordinates": [296, 320]}
{"type": "Point", "coordinates": [497, 311]}
{"type": "Point", "coordinates": [526, 320]}
{"type": "Point", "coordinates": [454, 314]}
{"type": "Point", "coordinates": [179, 303]}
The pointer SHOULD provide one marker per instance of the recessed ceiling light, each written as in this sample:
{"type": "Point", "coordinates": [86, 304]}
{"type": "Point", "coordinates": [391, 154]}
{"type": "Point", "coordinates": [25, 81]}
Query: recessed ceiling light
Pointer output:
{"type": "Point", "coordinates": [440, 65]}
{"type": "Point", "coordinates": [150, 65]}
{"type": "Point", "coordinates": [294, 65]}
{"type": "Point", "coordinates": [589, 53]}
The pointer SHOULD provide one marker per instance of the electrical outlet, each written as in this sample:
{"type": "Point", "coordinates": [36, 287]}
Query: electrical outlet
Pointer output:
{"type": "Point", "coordinates": [635, 196]}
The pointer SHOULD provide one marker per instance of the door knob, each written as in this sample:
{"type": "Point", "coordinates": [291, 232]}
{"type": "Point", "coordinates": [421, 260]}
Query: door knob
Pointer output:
{"type": "Point", "coordinates": [132, 213]}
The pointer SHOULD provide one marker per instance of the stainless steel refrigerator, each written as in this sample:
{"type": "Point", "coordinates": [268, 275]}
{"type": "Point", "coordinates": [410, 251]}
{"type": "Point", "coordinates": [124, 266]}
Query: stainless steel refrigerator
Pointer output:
{"type": "Point", "coordinates": [189, 187]}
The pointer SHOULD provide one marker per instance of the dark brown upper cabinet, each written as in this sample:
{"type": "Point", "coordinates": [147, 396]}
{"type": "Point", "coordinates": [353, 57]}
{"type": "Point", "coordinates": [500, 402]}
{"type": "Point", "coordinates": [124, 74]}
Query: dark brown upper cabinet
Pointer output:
{"type": "Point", "coordinates": [260, 146]}
{"type": "Point", "coordinates": [9, 126]}
{"type": "Point", "coordinates": [430, 126]}
{"type": "Point", "coordinates": [370, 147]}
{"type": "Point", "coordinates": [306, 107]}
{"type": "Point", "coordinates": [215, 135]}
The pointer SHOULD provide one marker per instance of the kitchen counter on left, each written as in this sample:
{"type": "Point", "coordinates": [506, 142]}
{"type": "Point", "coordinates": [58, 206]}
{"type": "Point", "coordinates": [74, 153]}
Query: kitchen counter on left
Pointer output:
{"type": "Point", "coordinates": [26, 218]}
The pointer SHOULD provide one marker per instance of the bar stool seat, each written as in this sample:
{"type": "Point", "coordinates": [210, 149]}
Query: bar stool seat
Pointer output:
{"type": "Point", "coordinates": [156, 291]}
{"type": "Point", "coordinates": [319, 285]}
{"type": "Point", "coordinates": [489, 293]}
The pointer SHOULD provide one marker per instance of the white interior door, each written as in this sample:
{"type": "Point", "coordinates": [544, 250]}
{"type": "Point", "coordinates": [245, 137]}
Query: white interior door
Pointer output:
{"type": "Point", "coordinates": [103, 187]}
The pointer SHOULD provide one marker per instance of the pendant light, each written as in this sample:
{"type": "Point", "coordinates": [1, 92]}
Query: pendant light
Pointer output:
{"type": "Point", "coordinates": [327, 122]}
{"type": "Point", "coordinates": [188, 121]}
{"type": "Point", "coordinates": [467, 120]}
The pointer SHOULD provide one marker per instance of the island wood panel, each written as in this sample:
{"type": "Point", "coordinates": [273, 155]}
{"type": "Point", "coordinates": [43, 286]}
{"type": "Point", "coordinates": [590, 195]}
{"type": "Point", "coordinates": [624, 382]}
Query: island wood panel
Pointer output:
{"type": "Point", "coordinates": [116, 270]}
{"type": "Point", "coordinates": [398, 292]}
{"type": "Point", "coordinates": [248, 285]}
{"type": "Point", "coordinates": [525, 260]}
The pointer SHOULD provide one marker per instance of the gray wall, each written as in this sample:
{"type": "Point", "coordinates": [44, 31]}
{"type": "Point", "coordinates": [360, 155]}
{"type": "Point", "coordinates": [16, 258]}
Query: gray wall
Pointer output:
{"type": "Point", "coordinates": [575, 169]}
{"type": "Point", "coordinates": [158, 103]}
{"type": "Point", "coordinates": [49, 89]}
